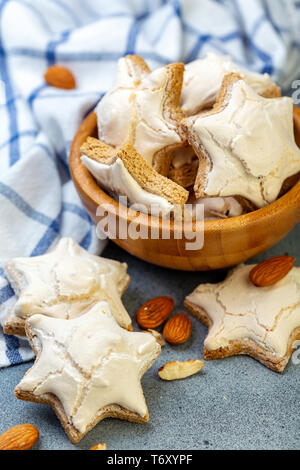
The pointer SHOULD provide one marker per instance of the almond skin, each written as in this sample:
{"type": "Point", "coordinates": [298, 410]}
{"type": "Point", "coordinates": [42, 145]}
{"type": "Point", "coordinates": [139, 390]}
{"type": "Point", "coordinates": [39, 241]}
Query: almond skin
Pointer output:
{"type": "Point", "coordinates": [60, 77]}
{"type": "Point", "coordinates": [154, 312]}
{"type": "Point", "coordinates": [177, 330]}
{"type": "Point", "coordinates": [180, 370]}
{"type": "Point", "coordinates": [21, 437]}
{"type": "Point", "coordinates": [101, 446]}
{"type": "Point", "coordinates": [271, 271]}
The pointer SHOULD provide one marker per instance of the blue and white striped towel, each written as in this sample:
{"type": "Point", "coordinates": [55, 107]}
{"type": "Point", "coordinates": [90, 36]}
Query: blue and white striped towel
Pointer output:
{"type": "Point", "coordinates": [38, 202]}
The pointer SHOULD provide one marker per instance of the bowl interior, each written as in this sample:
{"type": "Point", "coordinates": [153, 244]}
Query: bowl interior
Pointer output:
{"type": "Point", "coordinates": [96, 196]}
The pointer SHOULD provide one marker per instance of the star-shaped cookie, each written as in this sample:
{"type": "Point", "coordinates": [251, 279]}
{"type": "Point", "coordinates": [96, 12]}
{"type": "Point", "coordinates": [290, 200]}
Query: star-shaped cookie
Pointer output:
{"type": "Point", "coordinates": [203, 79]}
{"type": "Point", "coordinates": [124, 172]}
{"type": "Point", "coordinates": [143, 110]}
{"type": "Point", "coordinates": [263, 322]}
{"type": "Point", "coordinates": [246, 144]}
{"type": "Point", "coordinates": [88, 369]}
{"type": "Point", "coordinates": [63, 284]}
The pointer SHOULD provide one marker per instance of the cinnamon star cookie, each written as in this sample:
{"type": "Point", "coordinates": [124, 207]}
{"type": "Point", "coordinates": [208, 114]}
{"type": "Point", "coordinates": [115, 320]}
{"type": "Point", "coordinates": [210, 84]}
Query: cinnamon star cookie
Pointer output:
{"type": "Point", "coordinates": [124, 172]}
{"type": "Point", "coordinates": [203, 79]}
{"type": "Point", "coordinates": [88, 369]}
{"type": "Point", "coordinates": [143, 110]}
{"type": "Point", "coordinates": [246, 144]}
{"type": "Point", "coordinates": [63, 283]}
{"type": "Point", "coordinates": [263, 322]}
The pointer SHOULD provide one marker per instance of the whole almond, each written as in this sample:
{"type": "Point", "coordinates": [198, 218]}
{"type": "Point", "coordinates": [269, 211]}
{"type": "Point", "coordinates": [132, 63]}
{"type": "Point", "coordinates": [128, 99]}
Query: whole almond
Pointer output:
{"type": "Point", "coordinates": [21, 437]}
{"type": "Point", "coordinates": [180, 370]}
{"type": "Point", "coordinates": [272, 270]}
{"type": "Point", "coordinates": [154, 312]}
{"type": "Point", "coordinates": [60, 77]}
{"type": "Point", "coordinates": [177, 330]}
{"type": "Point", "coordinates": [101, 446]}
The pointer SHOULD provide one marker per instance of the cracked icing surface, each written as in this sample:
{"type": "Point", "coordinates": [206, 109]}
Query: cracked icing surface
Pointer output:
{"type": "Point", "coordinates": [203, 79]}
{"type": "Point", "coordinates": [89, 363]}
{"type": "Point", "coordinates": [117, 179]}
{"type": "Point", "coordinates": [240, 311]}
{"type": "Point", "coordinates": [134, 111]}
{"type": "Point", "coordinates": [66, 281]}
{"type": "Point", "coordinates": [250, 144]}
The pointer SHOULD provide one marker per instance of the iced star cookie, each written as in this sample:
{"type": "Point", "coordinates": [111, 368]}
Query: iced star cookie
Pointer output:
{"type": "Point", "coordinates": [203, 79]}
{"type": "Point", "coordinates": [263, 322]}
{"type": "Point", "coordinates": [143, 110]}
{"type": "Point", "coordinates": [184, 167]}
{"type": "Point", "coordinates": [88, 369]}
{"type": "Point", "coordinates": [63, 283]}
{"type": "Point", "coordinates": [246, 144]}
{"type": "Point", "coordinates": [124, 172]}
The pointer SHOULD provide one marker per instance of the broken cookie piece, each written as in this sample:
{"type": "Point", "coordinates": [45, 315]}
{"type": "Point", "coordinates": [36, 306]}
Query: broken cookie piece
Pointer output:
{"type": "Point", "coordinates": [244, 319]}
{"type": "Point", "coordinates": [63, 283]}
{"type": "Point", "coordinates": [124, 172]}
{"type": "Point", "coordinates": [88, 369]}
{"type": "Point", "coordinates": [246, 144]}
{"type": "Point", "coordinates": [203, 79]}
{"type": "Point", "coordinates": [143, 110]}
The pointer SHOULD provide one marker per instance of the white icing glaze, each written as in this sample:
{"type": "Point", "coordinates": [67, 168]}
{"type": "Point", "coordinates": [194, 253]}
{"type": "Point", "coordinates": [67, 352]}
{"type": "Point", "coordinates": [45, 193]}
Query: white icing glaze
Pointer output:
{"type": "Point", "coordinates": [138, 105]}
{"type": "Point", "coordinates": [241, 311]}
{"type": "Point", "coordinates": [66, 281]}
{"type": "Point", "coordinates": [219, 207]}
{"type": "Point", "coordinates": [116, 179]}
{"type": "Point", "coordinates": [251, 144]}
{"type": "Point", "coordinates": [89, 363]}
{"type": "Point", "coordinates": [203, 79]}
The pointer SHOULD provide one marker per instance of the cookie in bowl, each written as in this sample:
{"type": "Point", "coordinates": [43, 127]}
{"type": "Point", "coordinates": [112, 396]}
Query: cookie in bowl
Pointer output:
{"type": "Point", "coordinates": [245, 144]}
{"type": "Point", "coordinates": [124, 172]}
{"type": "Point", "coordinates": [143, 109]}
{"type": "Point", "coordinates": [203, 79]}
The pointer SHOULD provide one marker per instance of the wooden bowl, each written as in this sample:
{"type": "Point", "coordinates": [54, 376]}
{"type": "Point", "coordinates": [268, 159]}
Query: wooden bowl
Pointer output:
{"type": "Point", "coordinates": [226, 242]}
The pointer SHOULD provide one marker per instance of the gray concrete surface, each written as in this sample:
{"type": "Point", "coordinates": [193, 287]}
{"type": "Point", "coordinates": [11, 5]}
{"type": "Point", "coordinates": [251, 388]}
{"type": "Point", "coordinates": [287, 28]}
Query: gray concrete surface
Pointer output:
{"type": "Point", "coordinates": [234, 403]}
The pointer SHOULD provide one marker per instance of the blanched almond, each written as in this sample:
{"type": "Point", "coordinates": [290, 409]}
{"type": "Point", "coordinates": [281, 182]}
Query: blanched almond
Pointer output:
{"type": "Point", "coordinates": [180, 370]}
{"type": "Point", "coordinates": [157, 336]}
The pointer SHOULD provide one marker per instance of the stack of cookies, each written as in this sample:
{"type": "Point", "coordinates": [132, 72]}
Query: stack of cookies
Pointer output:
{"type": "Point", "coordinates": [209, 132]}
{"type": "Point", "coordinates": [89, 362]}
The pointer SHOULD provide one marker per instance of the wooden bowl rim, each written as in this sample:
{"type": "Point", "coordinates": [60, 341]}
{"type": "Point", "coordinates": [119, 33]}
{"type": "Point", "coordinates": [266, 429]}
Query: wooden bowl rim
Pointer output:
{"type": "Point", "coordinates": [86, 183]}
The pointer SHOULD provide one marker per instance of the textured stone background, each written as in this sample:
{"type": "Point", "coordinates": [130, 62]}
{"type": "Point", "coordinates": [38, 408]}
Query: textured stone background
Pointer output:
{"type": "Point", "coordinates": [234, 403]}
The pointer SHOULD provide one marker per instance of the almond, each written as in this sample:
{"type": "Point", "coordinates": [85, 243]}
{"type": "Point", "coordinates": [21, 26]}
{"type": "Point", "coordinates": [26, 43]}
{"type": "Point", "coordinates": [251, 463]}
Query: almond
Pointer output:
{"type": "Point", "coordinates": [157, 336]}
{"type": "Point", "coordinates": [60, 77]}
{"type": "Point", "coordinates": [271, 270]}
{"type": "Point", "coordinates": [21, 437]}
{"type": "Point", "coordinates": [180, 370]}
{"type": "Point", "coordinates": [101, 446]}
{"type": "Point", "coordinates": [154, 312]}
{"type": "Point", "coordinates": [177, 330]}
